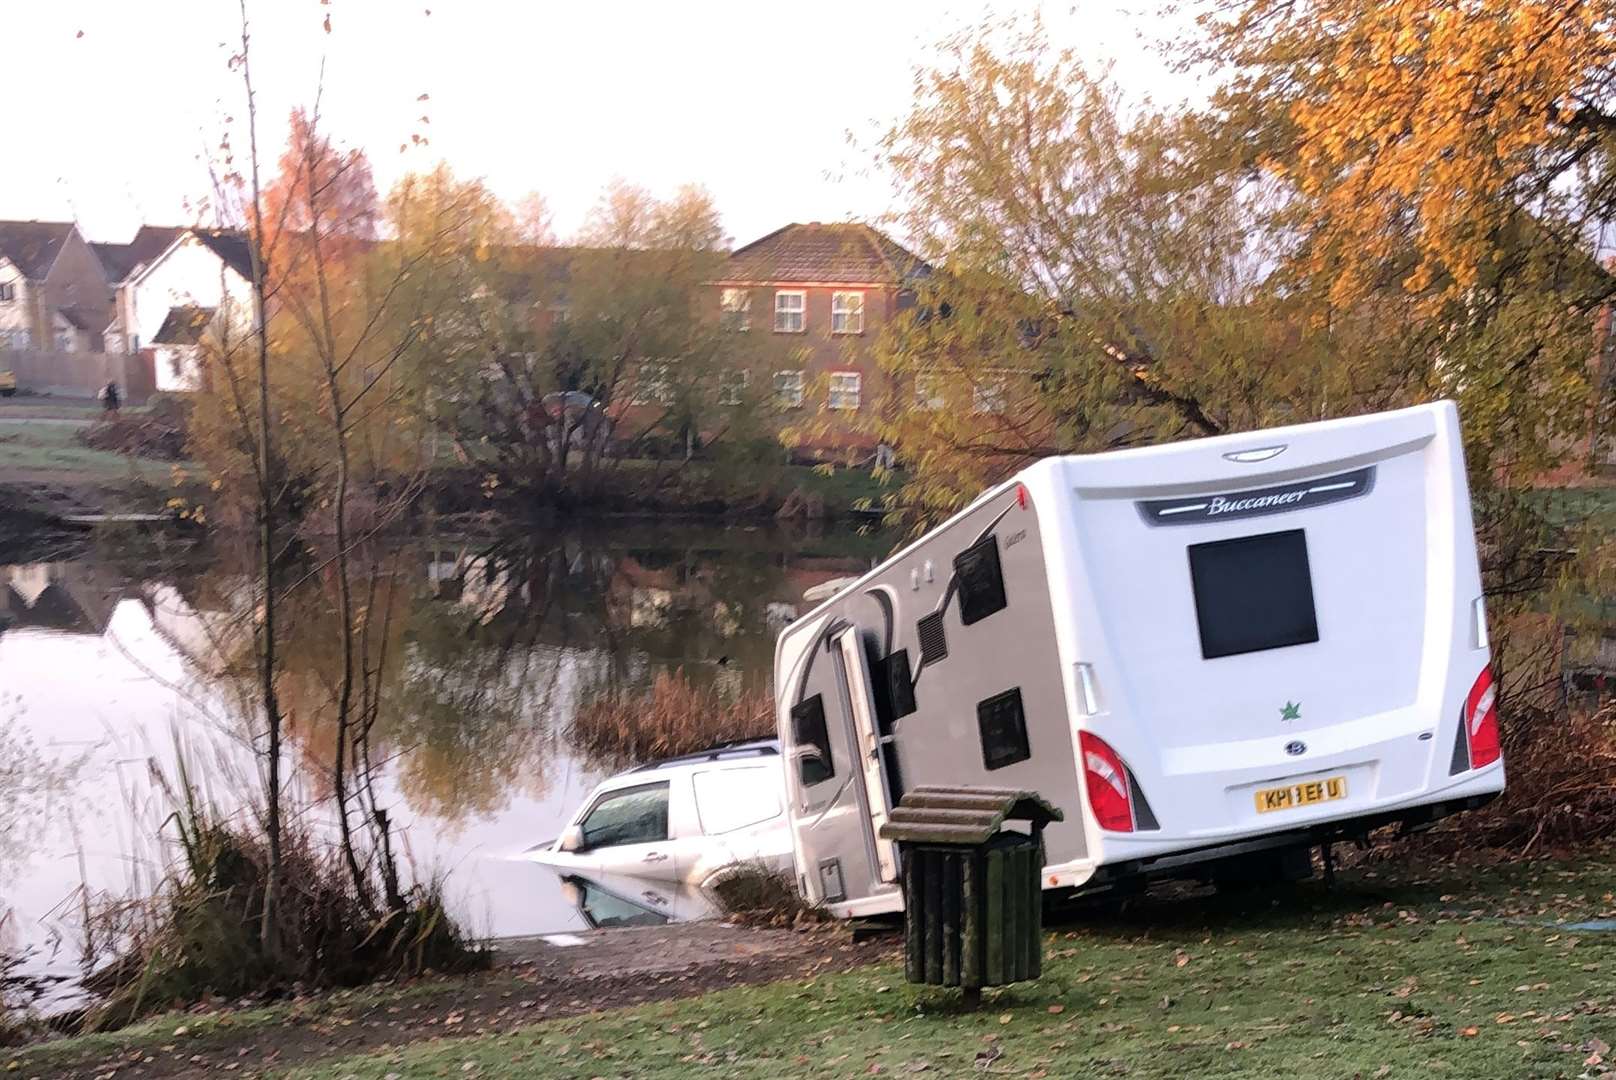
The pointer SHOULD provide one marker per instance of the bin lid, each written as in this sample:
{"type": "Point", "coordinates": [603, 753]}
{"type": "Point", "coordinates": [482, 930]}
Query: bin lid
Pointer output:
{"type": "Point", "coordinates": [939, 814]}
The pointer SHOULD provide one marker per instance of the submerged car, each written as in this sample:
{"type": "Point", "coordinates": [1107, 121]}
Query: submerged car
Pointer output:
{"type": "Point", "coordinates": [685, 821]}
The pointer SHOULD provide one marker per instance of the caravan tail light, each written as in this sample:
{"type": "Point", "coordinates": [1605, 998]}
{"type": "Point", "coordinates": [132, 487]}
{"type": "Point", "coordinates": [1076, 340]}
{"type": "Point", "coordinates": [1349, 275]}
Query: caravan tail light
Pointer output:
{"type": "Point", "coordinates": [1481, 720]}
{"type": "Point", "coordinates": [1107, 781]}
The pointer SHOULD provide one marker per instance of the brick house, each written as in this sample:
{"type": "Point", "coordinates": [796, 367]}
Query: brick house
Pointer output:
{"type": "Point", "coordinates": [55, 295]}
{"type": "Point", "coordinates": [823, 291]}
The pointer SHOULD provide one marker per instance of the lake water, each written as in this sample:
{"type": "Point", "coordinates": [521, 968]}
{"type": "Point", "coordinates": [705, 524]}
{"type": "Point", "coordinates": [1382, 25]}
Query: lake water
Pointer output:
{"type": "Point", "coordinates": [111, 676]}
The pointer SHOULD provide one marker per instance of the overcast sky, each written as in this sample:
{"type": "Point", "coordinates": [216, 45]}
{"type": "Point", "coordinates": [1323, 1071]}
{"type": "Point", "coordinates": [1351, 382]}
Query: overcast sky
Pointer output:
{"type": "Point", "coordinates": [112, 105]}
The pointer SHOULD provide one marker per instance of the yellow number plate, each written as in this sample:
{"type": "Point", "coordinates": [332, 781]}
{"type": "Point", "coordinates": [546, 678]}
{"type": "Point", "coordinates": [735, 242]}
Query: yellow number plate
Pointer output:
{"type": "Point", "coordinates": [1306, 794]}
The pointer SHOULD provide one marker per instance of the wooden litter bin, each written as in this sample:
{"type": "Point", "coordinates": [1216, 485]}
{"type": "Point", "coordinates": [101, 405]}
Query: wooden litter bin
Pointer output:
{"type": "Point", "coordinates": [973, 902]}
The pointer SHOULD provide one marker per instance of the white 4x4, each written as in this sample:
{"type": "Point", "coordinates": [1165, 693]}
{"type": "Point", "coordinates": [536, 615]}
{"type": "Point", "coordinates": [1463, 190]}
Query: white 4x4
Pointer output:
{"type": "Point", "coordinates": [685, 820]}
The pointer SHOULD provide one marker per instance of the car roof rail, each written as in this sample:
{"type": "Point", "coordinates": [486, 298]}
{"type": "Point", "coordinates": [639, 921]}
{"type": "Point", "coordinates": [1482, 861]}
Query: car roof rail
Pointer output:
{"type": "Point", "coordinates": [743, 748]}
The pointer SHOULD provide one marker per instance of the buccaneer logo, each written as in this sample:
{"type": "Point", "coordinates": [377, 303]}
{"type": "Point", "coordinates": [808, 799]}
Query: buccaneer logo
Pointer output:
{"type": "Point", "coordinates": [1291, 710]}
{"type": "Point", "coordinates": [1301, 495]}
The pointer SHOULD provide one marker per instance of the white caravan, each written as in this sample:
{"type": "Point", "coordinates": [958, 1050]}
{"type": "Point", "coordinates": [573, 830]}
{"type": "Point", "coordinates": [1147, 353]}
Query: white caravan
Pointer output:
{"type": "Point", "coordinates": [1206, 653]}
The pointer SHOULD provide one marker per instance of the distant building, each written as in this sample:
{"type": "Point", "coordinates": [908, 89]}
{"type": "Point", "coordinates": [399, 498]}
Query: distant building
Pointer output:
{"type": "Point", "coordinates": [174, 284]}
{"type": "Point", "coordinates": [829, 288]}
{"type": "Point", "coordinates": [55, 296]}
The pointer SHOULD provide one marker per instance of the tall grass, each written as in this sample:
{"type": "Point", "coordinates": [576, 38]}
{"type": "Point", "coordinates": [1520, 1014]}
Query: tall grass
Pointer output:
{"type": "Point", "coordinates": [618, 727]}
{"type": "Point", "coordinates": [198, 934]}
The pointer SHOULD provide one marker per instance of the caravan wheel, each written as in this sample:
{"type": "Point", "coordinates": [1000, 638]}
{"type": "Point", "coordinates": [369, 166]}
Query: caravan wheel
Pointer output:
{"type": "Point", "coordinates": [1244, 873]}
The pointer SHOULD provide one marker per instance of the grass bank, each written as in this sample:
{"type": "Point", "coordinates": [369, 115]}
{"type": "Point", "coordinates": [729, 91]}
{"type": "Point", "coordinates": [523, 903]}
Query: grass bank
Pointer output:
{"type": "Point", "coordinates": [1463, 971]}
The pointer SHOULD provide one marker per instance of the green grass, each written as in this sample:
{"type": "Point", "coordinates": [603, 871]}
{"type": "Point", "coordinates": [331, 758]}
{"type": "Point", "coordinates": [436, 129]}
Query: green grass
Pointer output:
{"type": "Point", "coordinates": [1462, 972]}
{"type": "Point", "coordinates": [1378, 980]}
{"type": "Point", "coordinates": [47, 449]}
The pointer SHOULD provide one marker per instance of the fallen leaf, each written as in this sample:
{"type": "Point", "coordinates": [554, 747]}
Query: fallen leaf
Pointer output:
{"type": "Point", "coordinates": [1056, 1010]}
{"type": "Point", "coordinates": [1384, 1070]}
{"type": "Point", "coordinates": [1005, 1019]}
{"type": "Point", "coordinates": [1470, 1032]}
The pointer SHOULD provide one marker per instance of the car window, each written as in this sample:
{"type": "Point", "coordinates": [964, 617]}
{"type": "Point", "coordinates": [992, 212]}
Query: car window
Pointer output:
{"type": "Point", "coordinates": [603, 910]}
{"type": "Point", "coordinates": [636, 815]}
{"type": "Point", "coordinates": [730, 799]}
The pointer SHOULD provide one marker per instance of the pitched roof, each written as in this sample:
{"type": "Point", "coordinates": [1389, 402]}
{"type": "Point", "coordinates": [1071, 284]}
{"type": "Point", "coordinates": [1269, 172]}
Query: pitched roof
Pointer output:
{"type": "Point", "coordinates": [847, 253]}
{"type": "Point", "coordinates": [122, 260]}
{"type": "Point", "coordinates": [232, 247]}
{"type": "Point", "coordinates": [183, 325]}
{"type": "Point", "coordinates": [32, 246]}
{"type": "Point", "coordinates": [85, 318]}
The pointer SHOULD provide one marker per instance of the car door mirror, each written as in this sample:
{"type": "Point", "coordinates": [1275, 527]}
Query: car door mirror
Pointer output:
{"type": "Point", "coordinates": [572, 839]}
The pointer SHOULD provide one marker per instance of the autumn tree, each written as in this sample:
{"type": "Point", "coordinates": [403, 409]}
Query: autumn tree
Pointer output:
{"type": "Point", "coordinates": [555, 364]}
{"type": "Point", "coordinates": [1087, 296]}
{"type": "Point", "coordinates": [1454, 158]}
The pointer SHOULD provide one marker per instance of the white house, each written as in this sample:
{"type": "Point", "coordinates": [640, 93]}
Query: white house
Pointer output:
{"type": "Point", "coordinates": [174, 285]}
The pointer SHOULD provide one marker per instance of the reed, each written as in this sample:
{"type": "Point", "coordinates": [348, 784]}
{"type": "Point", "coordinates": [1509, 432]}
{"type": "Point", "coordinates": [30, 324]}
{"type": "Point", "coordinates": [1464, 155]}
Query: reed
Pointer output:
{"type": "Point", "coordinates": [618, 727]}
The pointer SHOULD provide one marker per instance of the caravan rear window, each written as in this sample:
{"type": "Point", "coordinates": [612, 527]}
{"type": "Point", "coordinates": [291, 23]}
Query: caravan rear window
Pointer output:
{"type": "Point", "coordinates": [1253, 593]}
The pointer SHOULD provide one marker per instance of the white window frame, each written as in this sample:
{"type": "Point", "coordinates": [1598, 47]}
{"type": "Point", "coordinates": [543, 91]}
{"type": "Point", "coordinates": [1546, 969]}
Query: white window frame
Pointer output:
{"type": "Point", "coordinates": [652, 384]}
{"type": "Point", "coordinates": [801, 311]}
{"type": "Point", "coordinates": [846, 318]}
{"type": "Point", "coordinates": [8, 292]}
{"type": "Point", "coordinates": [991, 398]}
{"type": "Point", "coordinates": [845, 391]}
{"type": "Point", "coordinates": [794, 392]}
{"type": "Point", "coordinates": [929, 395]}
{"type": "Point", "coordinates": [735, 309]}
{"type": "Point", "coordinates": [732, 386]}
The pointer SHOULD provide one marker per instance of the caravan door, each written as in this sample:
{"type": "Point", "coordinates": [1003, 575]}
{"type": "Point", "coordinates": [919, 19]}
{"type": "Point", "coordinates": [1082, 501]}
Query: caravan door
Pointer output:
{"type": "Point", "coordinates": [866, 737]}
{"type": "Point", "coordinates": [835, 777]}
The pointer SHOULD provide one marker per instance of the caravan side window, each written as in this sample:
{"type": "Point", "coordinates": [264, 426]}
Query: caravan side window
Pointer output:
{"type": "Point", "coordinates": [981, 584]}
{"type": "Point", "coordinates": [892, 680]}
{"type": "Point", "coordinates": [1003, 727]}
{"type": "Point", "coordinates": [812, 741]}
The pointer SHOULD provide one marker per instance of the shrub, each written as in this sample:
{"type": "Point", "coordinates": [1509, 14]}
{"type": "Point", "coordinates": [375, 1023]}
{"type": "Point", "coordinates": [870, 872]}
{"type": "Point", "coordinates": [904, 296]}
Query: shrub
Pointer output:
{"type": "Point", "coordinates": [757, 895]}
{"type": "Point", "coordinates": [617, 727]}
{"type": "Point", "coordinates": [201, 934]}
{"type": "Point", "coordinates": [1562, 782]}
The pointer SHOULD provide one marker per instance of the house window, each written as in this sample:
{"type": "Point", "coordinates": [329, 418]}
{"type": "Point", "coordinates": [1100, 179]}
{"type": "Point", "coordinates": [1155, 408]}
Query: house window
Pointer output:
{"type": "Point", "coordinates": [64, 341]}
{"type": "Point", "coordinates": [847, 313]}
{"type": "Point", "coordinates": [790, 312]}
{"type": "Point", "coordinates": [732, 386]}
{"type": "Point", "coordinates": [735, 309]}
{"type": "Point", "coordinates": [989, 397]}
{"type": "Point", "coordinates": [652, 385]}
{"type": "Point", "coordinates": [845, 387]}
{"type": "Point", "coordinates": [8, 291]}
{"type": "Point", "coordinates": [789, 389]}
{"type": "Point", "coordinates": [13, 339]}
{"type": "Point", "coordinates": [928, 392]}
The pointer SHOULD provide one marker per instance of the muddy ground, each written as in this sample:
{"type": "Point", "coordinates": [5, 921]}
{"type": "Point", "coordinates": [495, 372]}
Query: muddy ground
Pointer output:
{"type": "Point", "coordinates": [532, 979]}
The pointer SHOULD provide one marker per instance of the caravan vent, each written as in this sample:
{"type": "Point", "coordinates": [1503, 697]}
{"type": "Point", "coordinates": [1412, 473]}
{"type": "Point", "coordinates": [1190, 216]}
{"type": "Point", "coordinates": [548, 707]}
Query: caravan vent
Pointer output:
{"type": "Point", "coordinates": [933, 642]}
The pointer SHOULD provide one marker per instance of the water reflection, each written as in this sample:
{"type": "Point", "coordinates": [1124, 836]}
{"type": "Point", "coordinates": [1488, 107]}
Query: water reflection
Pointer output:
{"type": "Point", "coordinates": [129, 655]}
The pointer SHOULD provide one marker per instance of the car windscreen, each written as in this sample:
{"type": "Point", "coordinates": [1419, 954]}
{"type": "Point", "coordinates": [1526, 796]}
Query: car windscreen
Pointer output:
{"type": "Point", "coordinates": [1253, 593]}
